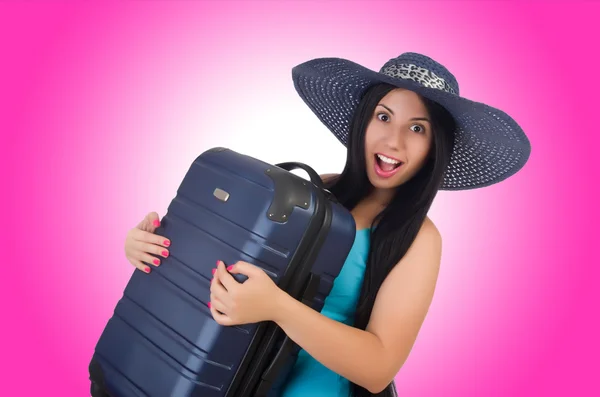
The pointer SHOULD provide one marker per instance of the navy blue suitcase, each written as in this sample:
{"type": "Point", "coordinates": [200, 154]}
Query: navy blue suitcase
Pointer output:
{"type": "Point", "coordinates": [162, 341]}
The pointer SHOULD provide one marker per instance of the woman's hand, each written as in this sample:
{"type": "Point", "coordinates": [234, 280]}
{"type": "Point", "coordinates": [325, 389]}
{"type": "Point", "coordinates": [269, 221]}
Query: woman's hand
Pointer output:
{"type": "Point", "coordinates": [234, 303]}
{"type": "Point", "coordinates": [141, 243]}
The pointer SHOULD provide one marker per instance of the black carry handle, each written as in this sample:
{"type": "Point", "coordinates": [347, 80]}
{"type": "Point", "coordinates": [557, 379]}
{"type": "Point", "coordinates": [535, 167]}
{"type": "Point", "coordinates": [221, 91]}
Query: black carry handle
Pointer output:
{"type": "Point", "coordinates": [314, 177]}
{"type": "Point", "coordinates": [271, 373]}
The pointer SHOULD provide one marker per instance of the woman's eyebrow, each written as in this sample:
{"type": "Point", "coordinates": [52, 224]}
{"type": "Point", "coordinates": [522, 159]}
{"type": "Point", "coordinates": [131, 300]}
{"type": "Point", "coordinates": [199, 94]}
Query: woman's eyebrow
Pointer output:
{"type": "Point", "coordinates": [414, 118]}
{"type": "Point", "coordinates": [389, 110]}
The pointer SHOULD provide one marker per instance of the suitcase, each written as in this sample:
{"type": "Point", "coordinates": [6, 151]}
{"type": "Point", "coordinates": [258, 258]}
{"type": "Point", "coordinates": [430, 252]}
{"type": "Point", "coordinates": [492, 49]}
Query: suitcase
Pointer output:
{"type": "Point", "coordinates": [161, 339]}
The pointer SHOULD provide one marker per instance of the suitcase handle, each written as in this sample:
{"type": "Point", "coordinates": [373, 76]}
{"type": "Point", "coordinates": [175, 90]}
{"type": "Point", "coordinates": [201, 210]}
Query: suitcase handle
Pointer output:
{"type": "Point", "coordinates": [314, 177]}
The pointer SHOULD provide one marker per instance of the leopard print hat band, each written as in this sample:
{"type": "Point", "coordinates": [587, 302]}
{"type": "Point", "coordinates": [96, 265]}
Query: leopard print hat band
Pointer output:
{"type": "Point", "coordinates": [418, 74]}
{"type": "Point", "coordinates": [422, 70]}
{"type": "Point", "coordinates": [489, 145]}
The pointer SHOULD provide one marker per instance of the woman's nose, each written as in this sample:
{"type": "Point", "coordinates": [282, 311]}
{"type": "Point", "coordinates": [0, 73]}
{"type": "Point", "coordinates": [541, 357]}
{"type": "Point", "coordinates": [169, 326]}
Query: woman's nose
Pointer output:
{"type": "Point", "coordinates": [396, 141]}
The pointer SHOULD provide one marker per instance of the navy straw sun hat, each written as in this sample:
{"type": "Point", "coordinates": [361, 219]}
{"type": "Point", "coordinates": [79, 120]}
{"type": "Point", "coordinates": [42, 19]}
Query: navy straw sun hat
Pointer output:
{"type": "Point", "coordinates": [489, 145]}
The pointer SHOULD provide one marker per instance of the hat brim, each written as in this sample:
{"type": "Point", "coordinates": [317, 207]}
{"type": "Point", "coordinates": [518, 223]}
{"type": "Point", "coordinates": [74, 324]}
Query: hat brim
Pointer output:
{"type": "Point", "coordinates": [489, 145]}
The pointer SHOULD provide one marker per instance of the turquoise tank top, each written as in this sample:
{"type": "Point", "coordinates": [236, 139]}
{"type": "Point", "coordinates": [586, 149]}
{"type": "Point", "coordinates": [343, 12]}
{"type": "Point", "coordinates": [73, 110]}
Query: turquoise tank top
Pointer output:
{"type": "Point", "coordinates": [309, 377]}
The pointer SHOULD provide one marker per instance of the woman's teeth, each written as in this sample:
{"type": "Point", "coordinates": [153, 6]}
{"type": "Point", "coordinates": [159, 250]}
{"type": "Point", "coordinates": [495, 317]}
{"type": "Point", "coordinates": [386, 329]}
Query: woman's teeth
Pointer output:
{"type": "Point", "coordinates": [387, 159]}
{"type": "Point", "coordinates": [387, 164]}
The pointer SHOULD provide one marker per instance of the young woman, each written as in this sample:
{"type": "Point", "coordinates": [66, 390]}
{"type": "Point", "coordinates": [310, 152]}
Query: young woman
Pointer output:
{"type": "Point", "coordinates": [408, 134]}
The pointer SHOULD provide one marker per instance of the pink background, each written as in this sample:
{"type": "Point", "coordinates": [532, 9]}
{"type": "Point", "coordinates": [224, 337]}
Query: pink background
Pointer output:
{"type": "Point", "coordinates": [105, 106]}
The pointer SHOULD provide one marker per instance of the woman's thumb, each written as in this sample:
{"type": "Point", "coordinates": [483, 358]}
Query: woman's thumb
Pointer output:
{"type": "Point", "coordinates": [242, 267]}
{"type": "Point", "coordinates": [152, 221]}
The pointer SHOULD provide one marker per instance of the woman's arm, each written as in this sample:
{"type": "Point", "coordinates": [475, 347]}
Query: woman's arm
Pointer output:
{"type": "Point", "coordinates": [373, 357]}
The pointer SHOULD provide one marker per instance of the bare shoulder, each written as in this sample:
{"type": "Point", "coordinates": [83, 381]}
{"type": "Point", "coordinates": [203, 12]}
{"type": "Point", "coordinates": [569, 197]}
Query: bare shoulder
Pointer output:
{"type": "Point", "coordinates": [422, 260]}
{"type": "Point", "coordinates": [430, 234]}
{"type": "Point", "coordinates": [325, 177]}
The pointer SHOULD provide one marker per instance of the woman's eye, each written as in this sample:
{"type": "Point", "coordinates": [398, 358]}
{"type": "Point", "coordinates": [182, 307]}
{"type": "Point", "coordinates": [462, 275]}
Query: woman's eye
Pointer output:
{"type": "Point", "coordinates": [417, 128]}
{"type": "Point", "coordinates": [383, 117]}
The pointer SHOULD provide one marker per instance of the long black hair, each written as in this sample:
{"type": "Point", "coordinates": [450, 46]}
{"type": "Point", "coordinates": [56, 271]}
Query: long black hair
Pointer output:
{"type": "Point", "coordinates": [395, 228]}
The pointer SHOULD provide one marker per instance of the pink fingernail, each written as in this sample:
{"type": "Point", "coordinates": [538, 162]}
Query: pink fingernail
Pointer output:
{"type": "Point", "coordinates": [165, 254]}
{"type": "Point", "coordinates": [156, 262]}
{"type": "Point", "coordinates": [209, 305]}
{"type": "Point", "coordinates": [214, 271]}
{"type": "Point", "coordinates": [147, 270]}
{"type": "Point", "coordinates": [229, 268]}
{"type": "Point", "coordinates": [167, 243]}
{"type": "Point", "coordinates": [156, 223]}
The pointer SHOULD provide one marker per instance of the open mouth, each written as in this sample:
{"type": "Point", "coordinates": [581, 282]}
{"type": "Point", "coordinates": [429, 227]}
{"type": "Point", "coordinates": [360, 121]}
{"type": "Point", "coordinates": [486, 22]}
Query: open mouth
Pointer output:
{"type": "Point", "coordinates": [386, 166]}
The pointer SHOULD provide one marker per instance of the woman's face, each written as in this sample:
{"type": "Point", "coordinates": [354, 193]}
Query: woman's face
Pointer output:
{"type": "Point", "coordinates": [398, 139]}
